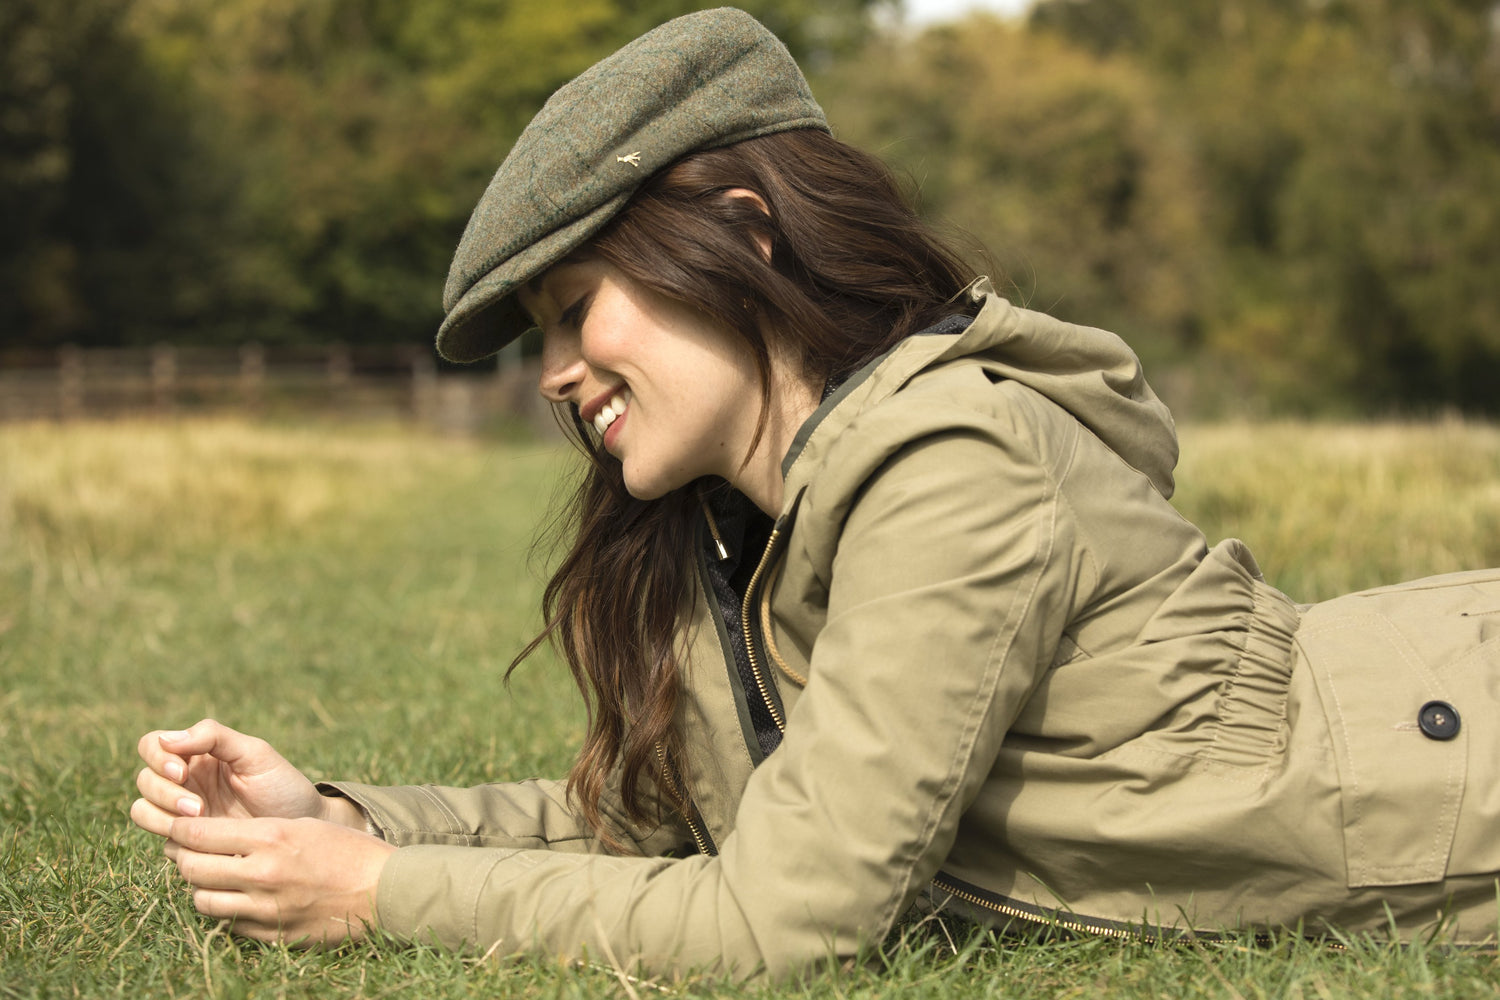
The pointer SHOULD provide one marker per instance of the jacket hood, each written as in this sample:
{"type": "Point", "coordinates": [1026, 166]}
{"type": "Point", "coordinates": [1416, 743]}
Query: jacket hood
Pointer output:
{"type": "Point", "coordinates": [1091, 373]}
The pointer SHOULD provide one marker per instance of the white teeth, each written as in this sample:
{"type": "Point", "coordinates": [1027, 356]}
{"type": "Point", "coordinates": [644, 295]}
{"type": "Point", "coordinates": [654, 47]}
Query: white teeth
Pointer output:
{"type": "Point", "coordinates": [611, 411]}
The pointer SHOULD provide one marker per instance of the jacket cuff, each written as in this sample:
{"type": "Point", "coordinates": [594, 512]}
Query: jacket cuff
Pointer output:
{"type": "Point", "coordinates": [349, 790]}
{"type": "Point", "coordinates": [436, 894]}
{"type": "Point", "coordinates": [330, 790]}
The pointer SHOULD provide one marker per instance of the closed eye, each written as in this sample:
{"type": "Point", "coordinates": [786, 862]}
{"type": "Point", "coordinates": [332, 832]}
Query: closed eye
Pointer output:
{"type": "Point", "coordinates": [572, 317]}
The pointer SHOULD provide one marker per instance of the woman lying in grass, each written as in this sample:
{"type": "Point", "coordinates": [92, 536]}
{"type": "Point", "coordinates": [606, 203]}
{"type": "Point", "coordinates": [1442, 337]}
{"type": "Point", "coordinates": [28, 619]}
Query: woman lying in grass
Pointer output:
{"type": "Point", "coordinates": [877, 602]}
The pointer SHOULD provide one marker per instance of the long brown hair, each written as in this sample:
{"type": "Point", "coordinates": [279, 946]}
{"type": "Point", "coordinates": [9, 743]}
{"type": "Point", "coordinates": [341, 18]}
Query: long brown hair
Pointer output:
{"type": "Point", "coordinates": [852, 271]}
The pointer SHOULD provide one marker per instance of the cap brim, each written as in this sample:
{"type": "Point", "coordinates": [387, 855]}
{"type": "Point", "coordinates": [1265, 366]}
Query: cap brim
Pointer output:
{"type": "Point", "coordinates": [487, 316]}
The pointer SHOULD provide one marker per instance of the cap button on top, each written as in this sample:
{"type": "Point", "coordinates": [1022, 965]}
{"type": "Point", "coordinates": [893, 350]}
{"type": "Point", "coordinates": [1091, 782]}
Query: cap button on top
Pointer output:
{"type": "Point", "coordinates": [1438, 720]}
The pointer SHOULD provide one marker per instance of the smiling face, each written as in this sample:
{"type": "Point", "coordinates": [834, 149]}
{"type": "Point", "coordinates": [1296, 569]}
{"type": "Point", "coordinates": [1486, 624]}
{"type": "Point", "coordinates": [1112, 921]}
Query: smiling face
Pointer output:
{"type": "Point", "coordinates": [674, 395]}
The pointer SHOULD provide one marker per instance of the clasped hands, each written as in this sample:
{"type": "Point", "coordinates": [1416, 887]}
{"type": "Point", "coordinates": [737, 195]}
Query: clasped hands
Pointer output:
{"type": "Point", "coordinates": [258, 843]}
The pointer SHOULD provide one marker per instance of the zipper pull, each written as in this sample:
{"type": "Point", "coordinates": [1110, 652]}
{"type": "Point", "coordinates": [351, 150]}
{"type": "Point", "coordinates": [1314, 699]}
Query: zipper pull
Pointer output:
{"type": "Point", "coordinates": [713, 526]}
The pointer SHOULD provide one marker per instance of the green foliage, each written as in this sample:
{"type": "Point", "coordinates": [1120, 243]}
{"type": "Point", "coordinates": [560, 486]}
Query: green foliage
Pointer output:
{"type": "Point", "coordinates": [33, 161]}
{"type": "Point", "coordinates": [354, 594]}
{"type": "Point", "coordinates": [1350, 155]}
{"type": "Point", "coordinates": [107, 184]}
{"type": "Point", "coordinates": [278, 169]}
{"type": "Point", "coordinates": [364, 132]}
{"type": "Point", "coordinates": [1058, 161]}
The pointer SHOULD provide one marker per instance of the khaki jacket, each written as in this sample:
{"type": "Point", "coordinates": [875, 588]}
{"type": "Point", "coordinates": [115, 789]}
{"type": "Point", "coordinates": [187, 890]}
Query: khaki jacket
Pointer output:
{"type": "Point", "coordinates": [1012, 682]}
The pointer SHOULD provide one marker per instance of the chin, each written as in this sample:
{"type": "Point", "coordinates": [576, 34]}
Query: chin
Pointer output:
{"type": "Point", "coordinates": [644, 491]}
{"type": "Point", "coordinates": [651, 487]}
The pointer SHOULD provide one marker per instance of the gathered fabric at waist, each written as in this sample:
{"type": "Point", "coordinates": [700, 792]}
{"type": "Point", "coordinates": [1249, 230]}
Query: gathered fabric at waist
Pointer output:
{"type": "Point", "coordinates": [1253, 703]}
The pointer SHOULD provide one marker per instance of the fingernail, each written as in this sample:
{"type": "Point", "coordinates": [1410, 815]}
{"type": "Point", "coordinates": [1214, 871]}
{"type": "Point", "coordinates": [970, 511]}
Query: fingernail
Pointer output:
{"type": "Point", "coordinates": [175, 770]}
{"type": "Point", "coordinates": [175, 736]}
{"type": "Point", "coordinates": [189, 806]}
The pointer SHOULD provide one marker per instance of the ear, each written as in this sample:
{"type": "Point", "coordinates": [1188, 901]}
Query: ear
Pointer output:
{"type": "Point", "coordinates": [745, 194]}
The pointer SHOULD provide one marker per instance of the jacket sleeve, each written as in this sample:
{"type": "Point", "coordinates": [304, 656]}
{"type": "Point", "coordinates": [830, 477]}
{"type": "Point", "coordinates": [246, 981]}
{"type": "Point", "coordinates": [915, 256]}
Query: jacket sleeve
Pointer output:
{"type": "Point", "coordinates": [944, 605]}
{"type": "Point", "coordinates": [535, 814]}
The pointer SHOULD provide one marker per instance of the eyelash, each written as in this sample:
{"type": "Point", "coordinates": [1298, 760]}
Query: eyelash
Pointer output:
{"type": "Point", "coordinates": [573, 315]}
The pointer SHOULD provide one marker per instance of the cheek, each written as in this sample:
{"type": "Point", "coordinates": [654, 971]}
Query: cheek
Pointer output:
{"type": "Point", "coordinates": [614, 334]}
{"type": "Point", "coordinates": [602, 345]}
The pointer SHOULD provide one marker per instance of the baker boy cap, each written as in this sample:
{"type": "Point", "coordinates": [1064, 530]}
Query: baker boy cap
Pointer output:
{"type": "Point", "coordinates": [703, 80]}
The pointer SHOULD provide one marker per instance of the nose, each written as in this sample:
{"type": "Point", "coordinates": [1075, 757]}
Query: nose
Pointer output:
{"type": "Point", "coordinates": [563, 367]}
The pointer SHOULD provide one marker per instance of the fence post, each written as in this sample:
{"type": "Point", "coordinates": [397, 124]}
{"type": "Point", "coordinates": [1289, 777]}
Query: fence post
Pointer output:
{"type": "Point", "coordinates": [340, 366]}
{"type": "Point", "coordinates": [70, 382]}
{"type": "Point", "coordinates": [508, 360]}
{"type": "Point", "coordinates": [339, 369]}
{"type": "Point", "coordinates": [163, 379]}
{"type": "Point", "coordinates": [424, 388]}
{"type": "Point", "coordinates": [252, 375]}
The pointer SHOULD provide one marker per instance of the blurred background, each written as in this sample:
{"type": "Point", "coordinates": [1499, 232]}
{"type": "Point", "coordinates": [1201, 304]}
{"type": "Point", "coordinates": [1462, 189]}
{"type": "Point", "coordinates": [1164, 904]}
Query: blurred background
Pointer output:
{"type": "Point", "coordinates": [1288, 207]}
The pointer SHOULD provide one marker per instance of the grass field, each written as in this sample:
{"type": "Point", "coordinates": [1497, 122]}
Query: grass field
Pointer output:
{"type": "Point", "coordinates": [354, 593]}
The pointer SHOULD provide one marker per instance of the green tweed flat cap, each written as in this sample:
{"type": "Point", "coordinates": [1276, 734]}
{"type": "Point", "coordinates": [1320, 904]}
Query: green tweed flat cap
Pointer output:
{"type": "Point", "coordinates": [699, 81]}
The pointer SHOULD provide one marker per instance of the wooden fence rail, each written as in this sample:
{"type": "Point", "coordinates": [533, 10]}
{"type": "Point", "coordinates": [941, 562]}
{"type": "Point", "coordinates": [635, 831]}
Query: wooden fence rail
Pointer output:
{"type": "Point", "coordinates": [380, 381]}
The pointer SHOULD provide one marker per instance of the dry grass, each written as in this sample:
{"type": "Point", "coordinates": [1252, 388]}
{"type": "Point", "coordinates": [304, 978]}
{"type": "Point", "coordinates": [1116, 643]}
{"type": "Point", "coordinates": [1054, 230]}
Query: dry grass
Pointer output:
{"type": "Point", "coordinates": [126, 484]}
{"type": "Point", "coordinates": [1332, 508]}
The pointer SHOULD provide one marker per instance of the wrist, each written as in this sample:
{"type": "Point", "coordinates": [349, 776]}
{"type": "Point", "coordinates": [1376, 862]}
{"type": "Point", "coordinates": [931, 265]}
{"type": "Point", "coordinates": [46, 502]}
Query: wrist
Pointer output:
{"type": "Point", "coordinates": [341, 810]}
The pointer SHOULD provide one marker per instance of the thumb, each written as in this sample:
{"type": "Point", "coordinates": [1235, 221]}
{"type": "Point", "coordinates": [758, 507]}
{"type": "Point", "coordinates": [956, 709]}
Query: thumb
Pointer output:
{"type": "Point", "coordinates": [241, 752]}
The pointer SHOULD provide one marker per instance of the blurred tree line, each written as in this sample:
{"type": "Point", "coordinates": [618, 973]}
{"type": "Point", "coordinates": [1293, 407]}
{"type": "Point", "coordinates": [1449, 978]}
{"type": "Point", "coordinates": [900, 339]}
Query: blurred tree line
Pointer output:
{"type": "Point", "coordinates": [276, 169]}
{"type": "Point", "coordinates": [1296, 202]}
{"type": "Point", "coordinates": [1285, 204]}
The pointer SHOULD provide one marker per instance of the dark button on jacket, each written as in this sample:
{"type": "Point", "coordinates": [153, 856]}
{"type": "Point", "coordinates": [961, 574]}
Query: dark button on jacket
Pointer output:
{"type": "Point", "coordinates": [1438, 720]}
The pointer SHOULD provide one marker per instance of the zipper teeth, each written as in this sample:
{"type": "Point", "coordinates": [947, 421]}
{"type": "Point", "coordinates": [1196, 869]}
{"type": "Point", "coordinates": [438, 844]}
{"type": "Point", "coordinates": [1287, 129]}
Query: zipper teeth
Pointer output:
{"type": "Point", "coordinates": [1099, 930]}
{"type": "Point", "coordinates": [745, 619]}
{"type": "Point", "coordinates": [700, 836]}
{"type": "Point", "coordinates": [1052, 921]}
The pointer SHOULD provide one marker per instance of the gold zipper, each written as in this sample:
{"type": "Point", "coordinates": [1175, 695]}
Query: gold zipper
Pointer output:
{"type": "Point", "coordinates": [1099, 928]}
{"type": "Point", "coordinates": [746, 618]}
{"type": "Point", "coordinates": [1052, 920]}
{"type": "Point", "coordinates": [689, 811]}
